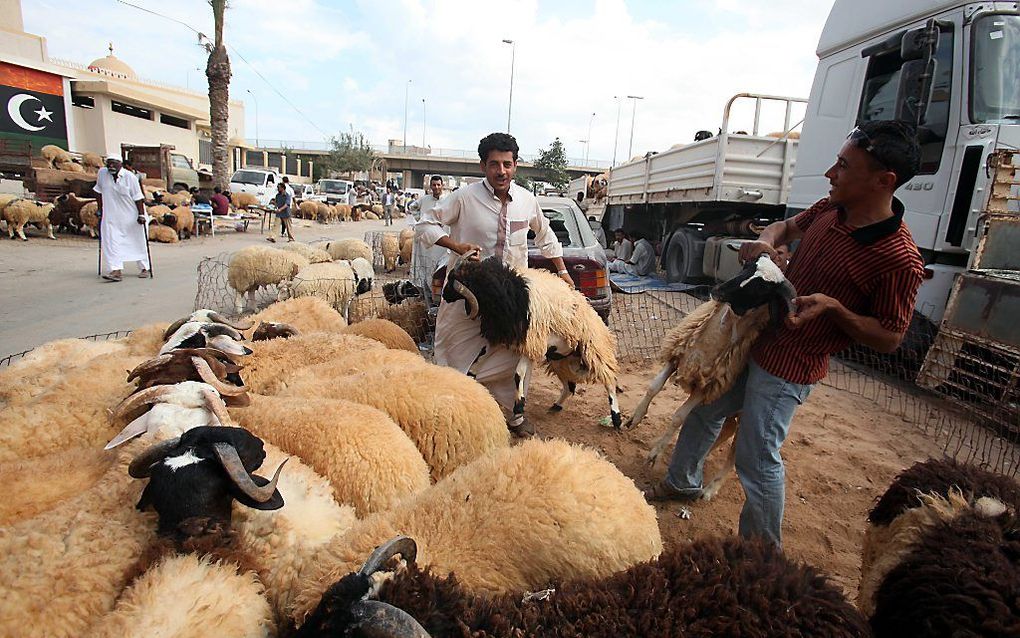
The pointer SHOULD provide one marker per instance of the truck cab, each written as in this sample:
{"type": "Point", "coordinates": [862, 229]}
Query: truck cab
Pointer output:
{"type": "Point", "coordinates": [260, 182]}
{"type": "Point", "coordinates": [333, 191]}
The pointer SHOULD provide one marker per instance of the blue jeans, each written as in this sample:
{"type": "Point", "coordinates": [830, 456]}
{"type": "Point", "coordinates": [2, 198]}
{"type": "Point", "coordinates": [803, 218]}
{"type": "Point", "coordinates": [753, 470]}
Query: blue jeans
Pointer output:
{"type": "Point", "coordinates": [768, 403]}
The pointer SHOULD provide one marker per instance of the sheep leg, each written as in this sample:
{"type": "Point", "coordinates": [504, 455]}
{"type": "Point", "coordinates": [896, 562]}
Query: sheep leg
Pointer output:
{"type": "Point", "coordinates": [21, 232]}
{"type": "Point", "coordinates": [250, 304]}
{"type": "Point", "coordinates": [675, 424]}
{"type": "Point", "coordinates": [729, 431]}
{"type": "Point", "coordinates": [614, 407]}
{"type": "Point", "coordinates": [569, 389]}
{"type": "Point", "coordinates": [520, 396]}
{"type": "Point", "coordinates": [49, 230]}
{"type": "Point", "coordinates": [482, 356]}
{"type": "Point", "coordinates": [653, 389]}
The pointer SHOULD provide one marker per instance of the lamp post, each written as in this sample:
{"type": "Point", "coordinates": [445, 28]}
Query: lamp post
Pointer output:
{"type": "Point", "coordinates": [633, 113]}
{"type": "Point", "coordinates": [510, 105]}
{"type": "Point", "coordinates": [187, 77]}
{"type": "Point", "coordinates": [423, 123]}
{"type": "Point", "coordinates": [254, 97]}
{"type": "Point", "coordinates": [587, 142]}
{"type": "Point", "coordinates": [407, 88]}
{"type": "Point", "coordinates": [616, 138]}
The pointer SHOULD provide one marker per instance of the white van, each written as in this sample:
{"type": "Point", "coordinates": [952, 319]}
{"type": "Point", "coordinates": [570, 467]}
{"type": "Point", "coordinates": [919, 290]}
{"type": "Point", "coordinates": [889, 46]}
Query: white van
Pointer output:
{"type": "Point", "coordinates": [260, 182]}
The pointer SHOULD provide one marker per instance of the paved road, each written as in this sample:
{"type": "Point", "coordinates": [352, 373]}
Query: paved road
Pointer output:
{"type": "Point", "coordinates": [51, 291]}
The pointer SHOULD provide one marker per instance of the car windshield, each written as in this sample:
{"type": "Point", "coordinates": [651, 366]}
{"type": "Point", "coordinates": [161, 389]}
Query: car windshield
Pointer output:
{"type": "Point", "coordinates": [249, 177]}
{"type": "Point", "coordinates": [333, 186]}
{"type": "Point", "coordinates": [994, 89]}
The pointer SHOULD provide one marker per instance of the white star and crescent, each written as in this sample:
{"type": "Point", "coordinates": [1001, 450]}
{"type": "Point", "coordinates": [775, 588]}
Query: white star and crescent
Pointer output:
{"type": "Point", "coordinates": [44, 114]}
{"type": "Point", "coordinates": [14, 111]}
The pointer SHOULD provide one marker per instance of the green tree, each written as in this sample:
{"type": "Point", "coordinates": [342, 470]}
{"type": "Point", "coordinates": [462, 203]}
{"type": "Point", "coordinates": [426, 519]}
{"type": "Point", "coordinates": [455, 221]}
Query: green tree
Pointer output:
{"type": "Point", "coordinates": [217, 71]}
{"type": "Point", "coordinates": [552, 162]}
{"type": "Point", "coordinates": [350, 153]}
{"type": "Point", "coordinates": [523, 182]}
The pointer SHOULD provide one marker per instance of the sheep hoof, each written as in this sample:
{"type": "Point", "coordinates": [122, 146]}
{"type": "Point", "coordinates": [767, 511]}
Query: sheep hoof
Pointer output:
{"type": "Point", "coordinates": [555, 407]}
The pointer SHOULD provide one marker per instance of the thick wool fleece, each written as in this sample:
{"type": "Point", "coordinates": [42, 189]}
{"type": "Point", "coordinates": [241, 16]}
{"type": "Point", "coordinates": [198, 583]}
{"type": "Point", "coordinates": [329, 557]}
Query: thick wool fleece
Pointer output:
{"type": "Point", "coordinates": [710, 347]}
{"type": "Point", "coordinates": [38, 485]}
{"type": "Point", "coordinates": [385, 332]}
{"type": "Point", "coordinates": [274, 360]}
{"type": "Point", "coordinates": [255, 266]}
{"type": "Point", "coordinates": [367, 459]}
{"type": "Point", "coordinates": [64, 569]}
{"type": "Point", "coordinates": [307, 314]}
{"type": "Point", "coordinates": [961, 579]}
{"type": "Point", "coordinates": [187, 596]}
{"type": "Point", "coordinates": [390, 251]}
{"type": "Point", "coordinates": [333, 282]}
{"type": "Point", "coordinates": [311, 253]}
{"type": "Point", "coordinates": [348, 249]}
{"type": "Point", "coordinates": [40, 369]}
{"type": "Point", "coordinates": [515, 520]}
{"type": "Point", "coordinates": [451, 418]}
{"type": "Point", "coordinates": [73, 412]}
{"type": "Point", "coordinates": [712, 587]}
{"type": "Point", "coordinates": [145, 341]}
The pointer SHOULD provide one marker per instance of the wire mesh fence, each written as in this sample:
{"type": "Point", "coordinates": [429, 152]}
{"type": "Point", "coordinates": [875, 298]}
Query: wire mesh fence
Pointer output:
{"type": "Point", "coordinates": [104, 336]}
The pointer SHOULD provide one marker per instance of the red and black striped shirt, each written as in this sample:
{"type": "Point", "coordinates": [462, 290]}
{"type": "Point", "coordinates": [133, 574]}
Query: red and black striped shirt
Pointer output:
{"type": "Point", "coordinates": [873, 271]}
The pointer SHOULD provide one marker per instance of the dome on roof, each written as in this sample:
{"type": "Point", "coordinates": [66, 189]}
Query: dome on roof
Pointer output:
{"type": "Point", "coordinates": [113, 66]}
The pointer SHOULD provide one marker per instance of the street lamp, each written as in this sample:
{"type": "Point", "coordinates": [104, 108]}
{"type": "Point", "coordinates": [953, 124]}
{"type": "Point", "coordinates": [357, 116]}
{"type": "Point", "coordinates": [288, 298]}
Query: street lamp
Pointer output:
{"type": "Point", "coordinates": [253, 96]}
{"type": "Point", "coordinates": [423, 123]}
{"type": "Point", "coordinates": [587, 142]}
{"type": "Point", "coordinates": [407, 88]}
{"type": "Point", "coordinates": [187, 77]}
{"type": "Point", "coordinates": [633, 113]}
{"type": "Point", "coordinates": [616, 138]}
{"type": "Point", "coordinates": [510, 105]}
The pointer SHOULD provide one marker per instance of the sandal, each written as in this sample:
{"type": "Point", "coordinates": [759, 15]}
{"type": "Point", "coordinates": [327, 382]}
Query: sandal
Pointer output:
{"type": "Point", "coordinates": [524, 429]}
{"type": "Point", "coordinates": [663, 491]}
{"type": "Point", "coordinates": [145, 274]}
{"type": "Point", "coordinates": [113, 278]}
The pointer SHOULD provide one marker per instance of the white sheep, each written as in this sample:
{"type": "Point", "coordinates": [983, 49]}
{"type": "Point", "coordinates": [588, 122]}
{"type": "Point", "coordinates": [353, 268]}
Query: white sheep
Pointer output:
{"type": "Point", "coordinates": [254, 267]}
{"type": "Point", "coordinates": [311, 253]}
{"type": "Point", "coordinates": [172, 409]}
{"type": "Point", "coordinates": [390, 246]}
{"type": "Point", "coordinates": [348, 249]}
{"type": "Point", "coordinates": [25, 211]}
{"type": "Point", "coordinates": [89, 215]}
{"type": "Point", "coordinates": [333, 282]}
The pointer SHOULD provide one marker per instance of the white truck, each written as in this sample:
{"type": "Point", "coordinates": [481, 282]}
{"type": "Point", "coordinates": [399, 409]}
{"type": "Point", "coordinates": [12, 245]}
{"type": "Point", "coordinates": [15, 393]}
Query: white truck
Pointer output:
{"type": "Point", "coordinates": [260, 182]}
{"type": "Point", "coordinates": [952, 64]}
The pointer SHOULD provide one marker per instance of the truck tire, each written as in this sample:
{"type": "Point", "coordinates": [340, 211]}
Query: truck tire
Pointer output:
{"type": "Point", "coordinates": [684, 254]}
{"type": "Point", "coordinates": [179, 187]}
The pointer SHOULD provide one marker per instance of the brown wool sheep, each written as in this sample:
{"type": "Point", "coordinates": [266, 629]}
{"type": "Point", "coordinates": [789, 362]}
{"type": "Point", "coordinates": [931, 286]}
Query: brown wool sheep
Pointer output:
{"type": "Point", "coordinates": [67, 211]}
{"type": "Point", "coordinates": [54, 154]}
{"type": "Point", "coordinates": [163, 234]}
{"type": "Point", "coordinates": [411, 314]}
{"type": "Point", "coordinates": [385, 332]}
{"type": "Point", "coordinates": [90, 218]}
{"type": "Point", "coordinates": [70, 167]}
{"type": "Point", "coordinates": [37, 371]}
{"type": "Point", "coordinates": [369, 215]}
{"type": "Point", "coordinates": [243, 200]}
{"type": "Point", "coordinates": [306, 314]}
{"type": "Point", "coordinates": [91, 162]}
{"type": "Point", "coordinates": [406, 245]}
{"type": "Point", "coordinates": [266, 369]}
{"type": "Point", "coordinates": [307, 209]}
{"type": "Point", "coordinates": [25, 211]}
{"type": "Point", "coordinates": [38, 485]}
{"type": "Point", "coordinates": [180, 198]}
{"type": "Point", "coordinates": [181, 219]}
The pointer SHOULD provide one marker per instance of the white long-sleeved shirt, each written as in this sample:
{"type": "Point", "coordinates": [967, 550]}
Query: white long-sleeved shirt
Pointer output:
{"type": "Point", "coordinates": [474, 215]}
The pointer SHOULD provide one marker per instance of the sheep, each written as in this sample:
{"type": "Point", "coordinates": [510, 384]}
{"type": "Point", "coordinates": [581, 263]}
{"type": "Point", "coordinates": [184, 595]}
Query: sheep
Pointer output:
{"type": "Point", "coordinates": [266, 331]}
{"type": "Point", "coordinates": [364, 274]}
{"type": "Point", "coordinates": [254, 267]}
{"type": "Point", "coordinates": [306, 314]}
{"type": "Point", "coordinates": [188, 596]}
{"type": "Point", "coordinates": [24, 211]}
{"type": "Point", "coordinates": [37, 371]}
{"type": "Point", "coordinates": [205, 315]}
{"type": "Point", "coordinates": [708, 349]}
{"type": "Point", "coordinates": [766, 594]}
{"type": "Point", "coordinates": [511, 521]}
{"type": "Point", "coordinates": [89, 215]}
{"type": "Point", "coordinates": [390, 251]}
{"type": "Point", "coordinates": [367, 459]}
{"type": "Point", "coordinates": [67, 211]}
{"type": "Point", "coordinates": [69, 166]}
{"type": "Point", "coordinates": [406, 245]}
{"type": "Point", "coordinates": [348, 249]}
{"type": "Point", "coordinates": [207, 365]}
{"type": "Point", "coordinates": [923, 496]}
{"type": "Point", "coordinates": [272, 361]}
{"type": "Point", "coordinates": [162, 234]}
{"type": "Point", "coordinates": [54, 154]}
{"type": "Point", "coordinates": [323, 212]}
{"type": "Point", "coordinates": [385, 332]}
{"type": "Point", "coordinates": [91, 161]}
{"type": "Point", "coordinates": [196, 334]}
{"type": "Point", "coordinates": [343, 212]}
{"type": "Point", "coordinates": [369, 215]}
{"type": "Point", "coordinates": [450, 417]}
{"type": "Point", "coordinates": [308, 209]}
{"type": "Point", "coordinates": [177, 200]}
{"type": "Point", "coordinates": [333, 282]}
{"type": "Point", "coordinates": [378, 210]}
{"type": "Point", "coordinates": [537, 315]}
{"type": "Point", "coordinates": [146, 340]}
{"type": "Point", "coordinates": [243, 200]}
{"type": "Point", "coordinates": [181, 219]}
{"type": "Point", "coordinates": [38, 485]}
{"type": "Point", "coordinates": [312, 254]}
{"type": "Point", "coordinates": [411, 314]}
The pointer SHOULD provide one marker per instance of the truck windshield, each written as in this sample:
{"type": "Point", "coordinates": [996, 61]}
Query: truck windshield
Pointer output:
{"type": "Point", "coordinates": [333, 186]}
{"type": "Point", "coordinates": [249, 177]}
{"type": "Point", "coordinates": [994, 89]}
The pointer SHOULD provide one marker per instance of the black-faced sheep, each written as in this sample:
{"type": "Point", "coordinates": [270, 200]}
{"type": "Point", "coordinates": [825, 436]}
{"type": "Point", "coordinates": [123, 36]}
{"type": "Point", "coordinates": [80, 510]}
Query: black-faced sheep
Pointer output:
{"type": "Point", "coordinates": [513, 521]}
{"type": "Point", "coordinates": [709, 348]}
{"type": "Point", "coordinates": [712, 587]}
{"type": "Point", "coordinates": [538, 316]}
{"type": "Point", "coordinates": [66, 213]}
{"type": "Point", "coordinates": [205, 315]}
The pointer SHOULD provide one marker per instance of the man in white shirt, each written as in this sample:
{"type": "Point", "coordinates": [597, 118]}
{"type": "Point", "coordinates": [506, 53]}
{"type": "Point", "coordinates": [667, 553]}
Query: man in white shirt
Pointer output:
{"type": "Point", "coordinates": [640, 263]}
{"type": "Point", "coordinates": [489, 218]}
{"type": "Point", "coordinates": [122, 223]}
{"type": "Point", "coordinates": [425, 260]}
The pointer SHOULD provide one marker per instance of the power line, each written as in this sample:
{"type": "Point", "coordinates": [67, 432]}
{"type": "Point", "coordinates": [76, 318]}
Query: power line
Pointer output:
{"type": "Point", "coordinates": [236, 52]}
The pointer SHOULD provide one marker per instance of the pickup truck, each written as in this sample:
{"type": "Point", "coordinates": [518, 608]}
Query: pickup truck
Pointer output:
{"type": "Point", "coordinates": [260, 182]}
{"type": "Point", "coordinates": [175, 170]}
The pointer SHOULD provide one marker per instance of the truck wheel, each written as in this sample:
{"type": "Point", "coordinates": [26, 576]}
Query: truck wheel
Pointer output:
{"type": "Point", "coordinates": [685, 252]}
{"type": "Point", "coordinates": [178, 188]}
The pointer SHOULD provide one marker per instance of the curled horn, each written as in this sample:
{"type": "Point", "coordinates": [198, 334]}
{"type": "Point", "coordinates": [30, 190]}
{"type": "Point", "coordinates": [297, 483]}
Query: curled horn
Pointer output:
{"type": "Point", "coordinates": [214, 403]}
{"type": "Point", "coordinates": [403, 545]}
{"type": "Point", "coordinates": [239, 324]}
{"type": "Point", "coordinates": [129, 406]}
{"type": "Point", "coordinates": [376, 619]}
{"type": "Point", "coordinates": [464, 257]}
{"type": "Point", "coordinates": [141, 466]}
{"type": "Point", "coordinates": [174, 327]}
{"type": "Point", "coordinates": [469, 298]}
{"type": "Point", "coordinates": [207, 375]}
{"type": "Point", "coordinates": [788, 293]}
{"type": "Point", "coordinates": [147, 366]}
{"type": "Point", "coordinates": [231, 462]}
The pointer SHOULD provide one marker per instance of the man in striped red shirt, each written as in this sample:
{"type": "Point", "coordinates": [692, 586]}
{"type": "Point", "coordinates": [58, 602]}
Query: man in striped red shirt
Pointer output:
{"type": "Point", "coordinates": [857, 270]}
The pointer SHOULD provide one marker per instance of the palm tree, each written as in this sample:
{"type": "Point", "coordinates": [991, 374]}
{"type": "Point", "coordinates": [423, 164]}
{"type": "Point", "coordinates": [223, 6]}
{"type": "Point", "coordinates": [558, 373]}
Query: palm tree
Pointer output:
{"type": "Point", "coordinates": [217, 70]}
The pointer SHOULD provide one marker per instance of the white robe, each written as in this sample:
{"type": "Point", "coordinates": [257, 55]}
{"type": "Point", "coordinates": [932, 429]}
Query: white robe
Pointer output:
{"type": "Point", "coordinates": [121, 237]}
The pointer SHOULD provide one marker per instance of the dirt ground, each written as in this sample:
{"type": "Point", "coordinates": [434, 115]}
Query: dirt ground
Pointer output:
{"type": "Point", "coordinates": [841, 454]}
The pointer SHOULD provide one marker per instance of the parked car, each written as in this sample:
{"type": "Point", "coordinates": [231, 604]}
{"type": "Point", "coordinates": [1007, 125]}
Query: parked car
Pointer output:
{"type": "Point", "coordinates": [584, 258]}
{"type": "Point", "coordinates": [302, 192]}
{"type": "Point", "coordinates": [260, 182]}
{"type": "Point", "coordinates": [162, 163]}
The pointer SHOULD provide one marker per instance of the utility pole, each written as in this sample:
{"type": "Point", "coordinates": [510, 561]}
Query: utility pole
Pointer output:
{"type": "Point", "coordinates": [587, 142]}
{"type": "Point", "coordinates": [423, 122]}
{"type": "Point", "coordinates": [616, 138]}
{"type": "Point", "coordinates": [510, 105]}
{"type": "Point", "coordinates": [407, 88]}
{"type": "Point", "coordinates": [633, 113]}
{"type": "Point", "coordinates": [253, 96]}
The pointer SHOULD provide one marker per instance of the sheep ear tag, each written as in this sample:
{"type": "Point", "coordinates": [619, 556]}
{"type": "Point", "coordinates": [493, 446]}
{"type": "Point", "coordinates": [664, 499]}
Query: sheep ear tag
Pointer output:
{"type": "Point", "coordinates": [274, 503]}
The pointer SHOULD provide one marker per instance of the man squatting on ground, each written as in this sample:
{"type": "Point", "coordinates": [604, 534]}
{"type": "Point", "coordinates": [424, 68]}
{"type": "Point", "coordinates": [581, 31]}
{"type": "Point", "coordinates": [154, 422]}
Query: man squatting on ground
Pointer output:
{"type": "Point", "coordinates": [857, 270]}
{"type": "Point", "coordinates": [492, 218]}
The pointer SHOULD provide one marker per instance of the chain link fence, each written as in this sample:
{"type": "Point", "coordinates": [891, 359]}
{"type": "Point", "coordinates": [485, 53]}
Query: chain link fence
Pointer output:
{"type": "Point", "coordinates": [105, 336]}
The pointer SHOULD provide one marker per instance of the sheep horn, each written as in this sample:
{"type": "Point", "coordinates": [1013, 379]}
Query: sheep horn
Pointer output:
{"type": "Point", "coordinates": [147, 366]}
{"type": "Point", "coordinates": [231, 462]}
{"type": "Point", "coordinates": [403, 545]}
{"type": "Point", "coordinates": [240, 324]}
{"type": "Point", "coordinates": [141, 466]}
{"type": "Point", "coordinates": [788, 293]}
{"type": "Point", "coordinates": [174, 327]}
{"type": "Point", "coordinates": [462, 258]}
{"type": "Point", "coordinates": [208, 376]}
{"type": "Point", "coordinates": [469, 298]}
{"type": "Point", "coordinates": [135, 401]}
{"type": "Point", "coordinates": [376, 619]}
{"type": "Point", "coordinates": [214, 403]}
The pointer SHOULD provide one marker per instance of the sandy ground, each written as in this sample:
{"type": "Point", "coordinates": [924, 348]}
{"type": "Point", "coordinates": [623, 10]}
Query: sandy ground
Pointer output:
{"type": "Point", "coordinates": [841, 454]}
{"type": "Point", "coordinates": [51, 290]}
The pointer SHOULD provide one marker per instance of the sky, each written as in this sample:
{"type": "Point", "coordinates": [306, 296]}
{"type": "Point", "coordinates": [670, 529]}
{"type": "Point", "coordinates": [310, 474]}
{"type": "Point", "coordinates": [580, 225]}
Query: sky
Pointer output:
{"type": "Point", "coordinates": [345, 65]}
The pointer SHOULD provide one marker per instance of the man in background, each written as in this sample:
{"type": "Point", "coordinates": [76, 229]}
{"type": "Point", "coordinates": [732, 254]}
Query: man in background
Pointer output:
{"type": "Point", "coordinates": [220, 203]}
{"type": "Point", "coordinates": [641, 263]}
{"type": "Point", "coordinates": [282, 202]}
{"type": "Point", "coordinates": [122, 229]}
{"type": "Point", "coordinates": [425, 260]}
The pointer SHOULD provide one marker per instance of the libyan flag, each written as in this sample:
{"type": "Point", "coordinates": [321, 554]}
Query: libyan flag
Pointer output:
{"type": "Point", "coordinates": [32, 107]}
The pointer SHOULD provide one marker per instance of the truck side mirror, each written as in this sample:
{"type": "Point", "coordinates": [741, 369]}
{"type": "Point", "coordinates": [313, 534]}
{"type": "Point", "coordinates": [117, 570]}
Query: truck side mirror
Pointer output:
{"type": "Point", "coordinates": [913, 92]}
{"type": "Point", "coordinates": [916, 43]}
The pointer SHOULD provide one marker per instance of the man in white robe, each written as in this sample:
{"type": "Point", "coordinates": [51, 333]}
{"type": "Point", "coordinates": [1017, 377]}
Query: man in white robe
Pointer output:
{"type": "Point", "coordinates": [425, 260]}
{"type": "Point", "coordinates": [492, 218]}
{"type": "Point", "coordinates": [122, 224]}
{"type": "Point", "coordinates": [640, 263]}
